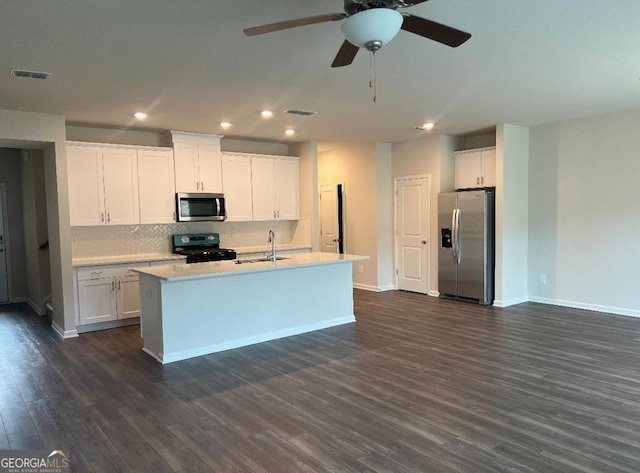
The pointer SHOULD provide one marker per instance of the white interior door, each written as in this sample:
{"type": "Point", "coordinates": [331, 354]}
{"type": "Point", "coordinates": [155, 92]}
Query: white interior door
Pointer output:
{"type": "Point", "coordinates": [412, 233]}
{"type": "Point", "coordinates": [329, 218]}
{"type": "Point", "coordinates": [4, 278]}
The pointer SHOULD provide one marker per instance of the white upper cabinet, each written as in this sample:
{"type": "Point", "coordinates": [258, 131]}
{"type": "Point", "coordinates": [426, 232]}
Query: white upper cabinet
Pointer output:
{"type": "Point", "coordinates": [475, 168]}
{"type": "Point", "coordinates": [275, 188]}
{"type": "Point", "coordinates": [263, 187]}
{"type": "Point", "coordinates": [86, 185]}
{"type": "Point", "coordinates": [236, 184]}
{"type": "Point", "coordinates": [103, 185]}
{"type": "Point", "coordinates": [287, 191]}
{"type": "Point", "coordinates": [121, 186]}
{"type": "Point", "coordinates": [156, 186]}
{"type": "Point", "coordinates": [198, 161]}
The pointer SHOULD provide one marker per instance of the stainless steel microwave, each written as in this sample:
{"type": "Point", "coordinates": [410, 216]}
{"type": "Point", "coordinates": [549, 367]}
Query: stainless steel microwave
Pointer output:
{"type": "Point", "coordinates": [200, 206]}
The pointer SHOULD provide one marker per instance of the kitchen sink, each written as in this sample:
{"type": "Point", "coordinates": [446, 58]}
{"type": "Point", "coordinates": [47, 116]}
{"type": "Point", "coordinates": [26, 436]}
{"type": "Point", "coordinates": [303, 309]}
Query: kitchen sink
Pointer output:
{"type": "Point", "coordinates": [259, 260]}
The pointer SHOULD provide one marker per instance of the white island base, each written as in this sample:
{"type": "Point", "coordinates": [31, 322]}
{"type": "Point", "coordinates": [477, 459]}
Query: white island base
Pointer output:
{"type": "Point", "coordinates": [194, 310]}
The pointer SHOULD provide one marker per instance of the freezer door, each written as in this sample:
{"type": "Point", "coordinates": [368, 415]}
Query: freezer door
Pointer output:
{"type": "Point", "coordinates": [472, 222]}
{"type": "Point", "coordinates": [447, 267]}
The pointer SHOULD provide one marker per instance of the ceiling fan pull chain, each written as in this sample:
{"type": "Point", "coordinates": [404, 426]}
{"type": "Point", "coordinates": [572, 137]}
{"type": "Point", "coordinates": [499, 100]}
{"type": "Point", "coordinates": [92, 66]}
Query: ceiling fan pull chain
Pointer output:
{"type": "Point", "coordinates": [372, 75]}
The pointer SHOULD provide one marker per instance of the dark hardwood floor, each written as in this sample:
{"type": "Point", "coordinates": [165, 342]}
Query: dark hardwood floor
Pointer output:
{"type": "Point", "coordinates": [418, 384]}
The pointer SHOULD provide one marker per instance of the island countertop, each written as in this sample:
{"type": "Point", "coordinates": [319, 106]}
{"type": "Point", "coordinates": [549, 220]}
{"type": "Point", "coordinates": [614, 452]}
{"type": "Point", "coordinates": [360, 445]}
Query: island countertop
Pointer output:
{"type": "Point", "coordinates": [178, 272]}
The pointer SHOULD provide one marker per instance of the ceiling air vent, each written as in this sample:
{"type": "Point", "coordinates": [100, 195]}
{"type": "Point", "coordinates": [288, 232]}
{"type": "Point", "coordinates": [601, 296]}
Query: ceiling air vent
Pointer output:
{"type": "Point", "coordinates": [294, 111]}
{"type": "Point", "coordinates": [30, 74]}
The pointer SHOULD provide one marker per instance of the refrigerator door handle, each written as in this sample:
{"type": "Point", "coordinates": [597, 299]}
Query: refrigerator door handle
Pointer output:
{"type": "Point", "coordinates": [454, 243]}
{"type": "Point", "coordinates": [458, 245]}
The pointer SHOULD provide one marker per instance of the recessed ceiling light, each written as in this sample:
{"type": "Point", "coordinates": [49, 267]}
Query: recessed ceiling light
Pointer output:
{"type": "Point", "coordinates": [266, 114]}
{"type": "Point", "coordinates": [290, 132]}
{"type": "Point", "coordinates": [225, 125]}
{"type": "Point", "coordinates": [140, 115]}
{"type": "Point", "coordinates": [428, 126]}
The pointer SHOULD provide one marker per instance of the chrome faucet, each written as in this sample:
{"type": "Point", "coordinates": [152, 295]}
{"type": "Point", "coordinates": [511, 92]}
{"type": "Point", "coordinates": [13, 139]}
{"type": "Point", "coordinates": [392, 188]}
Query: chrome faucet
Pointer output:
{"type": "Point", "coordinates": [272, 240]}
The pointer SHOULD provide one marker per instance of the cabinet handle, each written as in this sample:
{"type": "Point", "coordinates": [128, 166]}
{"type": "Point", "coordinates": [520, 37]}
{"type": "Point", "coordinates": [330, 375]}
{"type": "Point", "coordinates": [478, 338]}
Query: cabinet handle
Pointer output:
{"type": "Point", "coordinates": [202, 185]}
{"type": "Point", "coordinates": [102, 217]}
{"type": "Point", "coordinates": [119, 286]}
{"type": "Point", "coordinates": [113, 285]}
{"type": "Point", "coordinates": [278, 214]}
{"type": "Point", "coordinates": [198, 185]}
{"type": "Point", "coordinates": [482, 179]}
{"type": "Point", "coordinates": [477, 180]}
{"type": "Point", "coordinates": [274, 214]}
{"type": "Point", "coordinates": [108, 217]}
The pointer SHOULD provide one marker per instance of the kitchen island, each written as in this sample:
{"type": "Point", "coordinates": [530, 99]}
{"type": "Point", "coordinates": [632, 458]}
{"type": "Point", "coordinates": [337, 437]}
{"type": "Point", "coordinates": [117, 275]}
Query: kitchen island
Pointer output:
{"type": "Point", "coordinates": [189, 310]}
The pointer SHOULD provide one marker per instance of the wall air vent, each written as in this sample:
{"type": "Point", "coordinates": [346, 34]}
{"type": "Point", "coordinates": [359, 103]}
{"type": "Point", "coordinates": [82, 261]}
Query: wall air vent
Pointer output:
{"type": "Point", "coordinates": [30, 74]}
{"type": "Point", "coordinates": [294, 111]}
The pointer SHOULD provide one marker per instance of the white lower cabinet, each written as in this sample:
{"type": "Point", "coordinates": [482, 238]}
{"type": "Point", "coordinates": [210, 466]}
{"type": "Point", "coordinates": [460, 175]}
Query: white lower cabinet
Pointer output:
{"type": "Point", "coordinates": [108, 293]}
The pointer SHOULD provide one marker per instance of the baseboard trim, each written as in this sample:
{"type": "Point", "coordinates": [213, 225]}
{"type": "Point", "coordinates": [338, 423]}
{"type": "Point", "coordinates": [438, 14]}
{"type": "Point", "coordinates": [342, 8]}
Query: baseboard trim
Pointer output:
{"type": "Point", "coordinates": [64, 334]}
{"type": "Point", "coordinates": [510, 302]}
{"type": "Point", "coordinates": [367, 287]}
{"type": "Point", "coordinates": [106, 325]}
{"type": "Point", "coordinates": [434, 293]}
{"type": "Point", "coordinates": [592, 307]}
{"type": "Point", "coordinates": [38, 310]}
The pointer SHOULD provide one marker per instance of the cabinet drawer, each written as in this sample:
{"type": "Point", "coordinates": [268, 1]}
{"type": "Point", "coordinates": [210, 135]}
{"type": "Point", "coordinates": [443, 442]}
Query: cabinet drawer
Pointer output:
{"type": "Point", "coordinates": [109, 271]}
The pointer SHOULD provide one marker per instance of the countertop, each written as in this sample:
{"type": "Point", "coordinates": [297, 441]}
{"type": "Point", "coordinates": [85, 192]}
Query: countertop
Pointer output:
{"type": "Point", "coordinates": [180, 272]}
{"type": "Point", "coordinates": [267, 248]}
{"type": "Point", "coordinates": [99, 260]}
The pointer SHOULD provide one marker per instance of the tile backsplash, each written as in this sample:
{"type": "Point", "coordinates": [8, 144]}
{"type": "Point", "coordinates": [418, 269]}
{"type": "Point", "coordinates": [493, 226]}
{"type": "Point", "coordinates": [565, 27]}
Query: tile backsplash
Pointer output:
{"type": "Point", "coordinates": [143, 239]}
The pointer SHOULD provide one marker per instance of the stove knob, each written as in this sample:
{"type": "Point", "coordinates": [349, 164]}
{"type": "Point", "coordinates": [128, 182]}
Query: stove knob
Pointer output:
{"type": "Point", "coordinates": [185, 239]}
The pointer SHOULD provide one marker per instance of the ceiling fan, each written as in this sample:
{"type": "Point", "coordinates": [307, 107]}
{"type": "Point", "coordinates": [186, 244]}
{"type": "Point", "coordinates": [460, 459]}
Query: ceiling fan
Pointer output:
{"type": "Point", "coordinates": [370, 24]}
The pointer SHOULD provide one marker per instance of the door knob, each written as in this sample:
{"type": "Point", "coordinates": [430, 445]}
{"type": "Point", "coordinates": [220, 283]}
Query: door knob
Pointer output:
{"type": "Point", "coordinates": [424, 242]}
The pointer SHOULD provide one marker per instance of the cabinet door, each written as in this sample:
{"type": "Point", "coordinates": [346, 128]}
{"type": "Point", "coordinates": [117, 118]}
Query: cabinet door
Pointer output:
{"type": "Point", "coordinates": [121, 186]}
{"type": "Point", "coordinates": [186, 167]}
{"type": "Point", "coordinates": [128, 300]}
{"type": "Point", "coordinates": [86, 185]}
{"type": "Point", "coordinates": [263, 186]}
{"type": "Point", "coordinates": [97, 300]}
{"type": "Point", "coordinates": [489, 167]}
{"type": "Point", "coordinates": [287, 197]}
{"type": "Point", "coordinates": [210, 167]}
{"type": "Point", "coordinates": [236, 184]}
{"type": "Point", "coordinates": [468, 169]}
{"type": "Point", "coordinates": [156, 186]}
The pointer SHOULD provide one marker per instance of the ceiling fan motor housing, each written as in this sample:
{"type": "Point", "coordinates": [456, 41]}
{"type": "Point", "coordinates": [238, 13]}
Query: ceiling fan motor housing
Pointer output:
{"type": "Point", "coordinates": [351, 7]}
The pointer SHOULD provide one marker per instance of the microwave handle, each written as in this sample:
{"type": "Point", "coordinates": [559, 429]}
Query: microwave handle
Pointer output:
{"type": "Point", "coordinates": [218, 206]}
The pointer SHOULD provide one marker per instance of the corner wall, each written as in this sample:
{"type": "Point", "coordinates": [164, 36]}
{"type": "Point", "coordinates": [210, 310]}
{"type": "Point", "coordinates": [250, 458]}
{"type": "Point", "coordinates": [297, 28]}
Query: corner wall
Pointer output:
{"type": "Point", "coordinates": [584, 218]}
{"type": "Point", "coordinates": [512, 214]}
{"type": "Point", "coordinates": [47, 132]}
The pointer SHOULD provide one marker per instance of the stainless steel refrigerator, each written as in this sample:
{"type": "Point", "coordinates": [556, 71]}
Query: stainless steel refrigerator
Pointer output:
{"type": "Point", "coordinates": [466, 260]}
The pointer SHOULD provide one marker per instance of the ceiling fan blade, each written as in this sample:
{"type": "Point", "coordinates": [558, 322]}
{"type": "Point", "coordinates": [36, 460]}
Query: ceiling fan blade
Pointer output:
{"type": "Point", "coordinates": [346, 54]}
{"type": "Point", "coordinates": [283, 25]}
{"type": "Point", "coordinates": [410, 3]}
{"type": "Point", "coordinates": [436, 31]}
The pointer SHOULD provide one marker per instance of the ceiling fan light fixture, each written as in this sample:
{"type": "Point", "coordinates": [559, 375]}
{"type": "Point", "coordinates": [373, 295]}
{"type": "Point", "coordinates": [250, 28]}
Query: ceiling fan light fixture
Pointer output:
{"type": "Point", "coordinates": [373, 28]}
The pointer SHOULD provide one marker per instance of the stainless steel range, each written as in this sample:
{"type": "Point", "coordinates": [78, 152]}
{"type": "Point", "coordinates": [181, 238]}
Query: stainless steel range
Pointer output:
{"type": "Point", "coordinates": [201, 247]}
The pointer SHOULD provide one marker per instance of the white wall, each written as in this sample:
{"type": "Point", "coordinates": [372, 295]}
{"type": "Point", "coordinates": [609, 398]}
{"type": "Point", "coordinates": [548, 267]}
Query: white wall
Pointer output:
{"type": "Point", "coordinates": [356, 166]}
{"type": "Point", "coordinates": [584, 213]}
{"type": "Point", "coordinates": [35, 229]}
{"type": "Point", "coordinates": [432, 155]}
{"type": "Point", "coordinates": [384, 217]}
{"type": "Point", "coordinates": [11, 176]}
{"type": "Point", "coordinates": [47, 132]}
{"type": "Point", "coordinates": [512, 221]}
{"type": "Point", "coordinates": [308, 227]}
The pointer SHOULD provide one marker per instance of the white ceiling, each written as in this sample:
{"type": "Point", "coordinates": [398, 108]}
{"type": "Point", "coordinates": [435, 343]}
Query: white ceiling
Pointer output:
{"type": "Point", "coordinates": [189, 65]}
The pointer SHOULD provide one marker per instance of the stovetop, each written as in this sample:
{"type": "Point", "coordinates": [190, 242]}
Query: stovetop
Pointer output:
{"type": "Point", "coordinates": [201, 247]}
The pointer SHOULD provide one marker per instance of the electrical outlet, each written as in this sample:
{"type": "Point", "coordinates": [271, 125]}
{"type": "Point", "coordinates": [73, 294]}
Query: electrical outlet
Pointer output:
{"type": "Point", "coordinates": [360, 269]}
{"type": "Point", "coordinates": [543, 279]}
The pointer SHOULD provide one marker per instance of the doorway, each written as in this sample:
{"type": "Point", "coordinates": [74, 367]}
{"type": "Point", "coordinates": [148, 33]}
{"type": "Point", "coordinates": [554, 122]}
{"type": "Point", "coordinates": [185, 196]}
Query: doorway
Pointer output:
{"type": "Point", "coordinates": [413, 230]}
{"type": "Point", "coordinates": [332, 218]}
{"type": "Point", "coordinates": [4, 269]}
